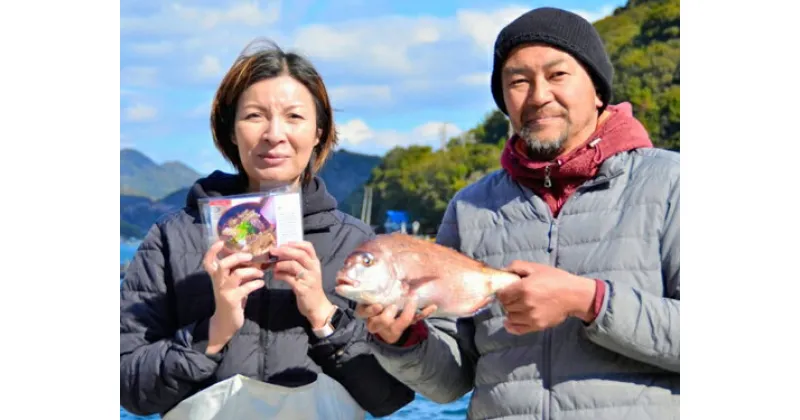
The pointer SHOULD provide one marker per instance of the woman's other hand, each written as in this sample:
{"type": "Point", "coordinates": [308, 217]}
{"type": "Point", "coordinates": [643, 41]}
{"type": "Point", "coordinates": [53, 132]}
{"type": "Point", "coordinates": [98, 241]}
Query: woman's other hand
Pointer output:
{"type": "Point", "coordinates": [299, 266]}
{"type": "Point", "coordinates": [233, 280]}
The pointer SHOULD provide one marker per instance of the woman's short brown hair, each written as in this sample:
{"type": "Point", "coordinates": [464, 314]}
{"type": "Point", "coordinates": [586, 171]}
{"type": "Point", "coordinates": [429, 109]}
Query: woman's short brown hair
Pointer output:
{"type": "Point", "coordinates": [260, 60]}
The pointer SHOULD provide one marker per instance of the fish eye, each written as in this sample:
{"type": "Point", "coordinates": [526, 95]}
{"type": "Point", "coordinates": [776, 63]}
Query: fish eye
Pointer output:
{"type": "Point", "coordinates": [368, 259]}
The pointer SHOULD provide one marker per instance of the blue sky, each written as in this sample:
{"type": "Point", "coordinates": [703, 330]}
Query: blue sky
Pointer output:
{"type": "Point", "coordinates": [397, 71]}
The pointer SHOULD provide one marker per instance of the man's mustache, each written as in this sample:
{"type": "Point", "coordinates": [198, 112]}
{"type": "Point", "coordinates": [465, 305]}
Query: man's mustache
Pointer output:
{"type": "Point", "coordinates": [536, 113]}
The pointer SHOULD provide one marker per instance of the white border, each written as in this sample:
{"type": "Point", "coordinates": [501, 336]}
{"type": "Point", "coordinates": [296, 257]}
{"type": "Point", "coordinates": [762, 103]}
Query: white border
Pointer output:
{"type": "Point", "coordinates": [60, 122]}
{"type": "Point", "coordinates": [740, 157]}
{"type": "Point", "coordinates": [59, 299]}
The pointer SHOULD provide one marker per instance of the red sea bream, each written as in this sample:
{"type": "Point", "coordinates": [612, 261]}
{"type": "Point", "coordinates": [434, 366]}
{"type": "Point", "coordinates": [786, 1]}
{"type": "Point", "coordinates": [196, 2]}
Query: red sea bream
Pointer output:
{"type": "Point", "coordinates": [387, 269]}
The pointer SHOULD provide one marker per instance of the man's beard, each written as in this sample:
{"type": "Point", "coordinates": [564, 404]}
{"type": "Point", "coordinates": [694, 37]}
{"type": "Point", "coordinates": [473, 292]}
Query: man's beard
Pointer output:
{"type": "Point", "coordinates": [543, 148]}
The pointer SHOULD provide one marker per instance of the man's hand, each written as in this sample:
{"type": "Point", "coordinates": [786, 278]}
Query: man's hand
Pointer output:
{"type": "Point", "coordinates": [544, 298]}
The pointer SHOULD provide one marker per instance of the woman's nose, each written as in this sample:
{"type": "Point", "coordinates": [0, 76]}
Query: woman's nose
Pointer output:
{"type": "Point", "coordinates": [276, 131]}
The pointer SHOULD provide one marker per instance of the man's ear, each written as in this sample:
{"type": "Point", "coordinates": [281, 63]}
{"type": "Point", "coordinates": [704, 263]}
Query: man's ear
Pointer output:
{"type": "Point", "coordinates": [597, 101]}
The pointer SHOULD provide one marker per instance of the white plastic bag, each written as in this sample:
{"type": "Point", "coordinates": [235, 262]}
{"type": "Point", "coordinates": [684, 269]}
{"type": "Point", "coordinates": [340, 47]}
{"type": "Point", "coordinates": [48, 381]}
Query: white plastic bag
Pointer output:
{"type": "Point", "coordinates": [242, 398]}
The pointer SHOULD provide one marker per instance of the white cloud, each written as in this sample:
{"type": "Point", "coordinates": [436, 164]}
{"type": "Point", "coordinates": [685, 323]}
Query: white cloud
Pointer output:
{"type": "Point", "coordinates": [179, 19]}
{"type": "Point", "coordinates": [353, 132]}
{"type": "Point", "coordinates": [436, 129]}
{"type": "Point", "coordinates": [139, 76]}
{"type": "Point", "coordinates": [202, 110]}
{"type": "Point", "coordinates": [380, 43]}
{"type": "Point", "coordinates": [426, 34]}
{"type": "Point", "coordinates": [153, 48]}
{"type": "Point", "coordinates": [372, 94]}
{"type": "Point", "coordinates": [140, 113]}
{"type": "Point", "coordinates": [248, 13]}
{"type": "Point", "coordinates": [185, 34]}
{"type": "Point", "coordinates": [209, 67]}
{"type": "Point", "coordinates": [325, 42]}
{"type": "Point", "coordinates": [595, 15]}
{"type": "Point", "coordinates": [408, 46]}
{"type": "Point", "coordinates": [383, 47]}
{"type": "Point", "coordinates": [482, 27]}
{"type": "Point", "coordinates": [203, 107]}
{"type": "Point", "coordinates": [482, 79]}
{"type": "Point", "coordinates": [124, 142]}
{"type": "Point", "coordinates": [357, 134]}
{"type": "Point", "coordinates": [384, 60]}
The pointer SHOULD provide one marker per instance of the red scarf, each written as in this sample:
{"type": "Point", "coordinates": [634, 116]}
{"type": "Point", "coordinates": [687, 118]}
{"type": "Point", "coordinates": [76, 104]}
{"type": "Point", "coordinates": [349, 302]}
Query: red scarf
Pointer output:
{"type": "Point", "coordinates": [620, 132]}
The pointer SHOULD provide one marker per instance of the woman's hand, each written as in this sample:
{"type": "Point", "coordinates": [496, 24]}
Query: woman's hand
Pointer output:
{"type": "Point", "coordinates": [389, 323]}
{"type": "Point", "coordinates": [233, 281]}
{"type": "Point", "coordinates": [299, 266]}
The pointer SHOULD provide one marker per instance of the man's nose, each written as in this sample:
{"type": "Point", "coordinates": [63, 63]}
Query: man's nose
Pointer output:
{"type": "Point", "coordinates": [540, 94]}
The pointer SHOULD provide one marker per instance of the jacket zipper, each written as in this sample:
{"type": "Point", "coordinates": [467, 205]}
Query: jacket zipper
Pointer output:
{"type": "Point", "coordinates": [263, 333]}
{"type": "Point", "coordinates": [546, 337]}
{"type": "Point", "coordinates": [547, 334]}
{"type": "Point", "coordinates": [547, 181]}
{"type": "Point", "coordinates": [547, 341]}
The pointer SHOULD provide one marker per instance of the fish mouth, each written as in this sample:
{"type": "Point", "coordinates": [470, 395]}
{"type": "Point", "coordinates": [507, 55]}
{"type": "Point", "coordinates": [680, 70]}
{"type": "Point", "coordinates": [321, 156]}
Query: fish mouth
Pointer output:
{"type": "Point", "coordinates": [345, 282]}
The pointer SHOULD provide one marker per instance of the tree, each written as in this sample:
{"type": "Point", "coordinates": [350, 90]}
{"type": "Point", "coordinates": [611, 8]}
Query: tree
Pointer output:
{"type": "Point", "coordinates": [643, 41]}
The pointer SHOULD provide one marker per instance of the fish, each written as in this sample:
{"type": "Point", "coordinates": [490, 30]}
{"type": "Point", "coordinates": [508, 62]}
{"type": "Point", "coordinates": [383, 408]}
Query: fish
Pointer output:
{"type": "Point", "coordinates": [390, 268]}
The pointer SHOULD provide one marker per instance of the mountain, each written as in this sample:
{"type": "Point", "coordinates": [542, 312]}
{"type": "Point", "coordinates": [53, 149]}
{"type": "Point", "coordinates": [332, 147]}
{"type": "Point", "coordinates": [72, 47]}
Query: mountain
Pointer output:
{"type": "Point", "coordinates": [346, 172]}
{"type": "Point", "coordinates": [140, 176]}
{"type": "Point", "coordinates": [142, 202]}
{"type": "Point", "coordinates": [137, 214]}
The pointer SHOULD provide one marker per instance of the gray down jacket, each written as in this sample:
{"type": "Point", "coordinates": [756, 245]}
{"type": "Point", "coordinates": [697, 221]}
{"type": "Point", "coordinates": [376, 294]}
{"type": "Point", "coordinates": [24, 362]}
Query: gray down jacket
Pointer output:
{"type": "Point", "coordinates": [622, 227]}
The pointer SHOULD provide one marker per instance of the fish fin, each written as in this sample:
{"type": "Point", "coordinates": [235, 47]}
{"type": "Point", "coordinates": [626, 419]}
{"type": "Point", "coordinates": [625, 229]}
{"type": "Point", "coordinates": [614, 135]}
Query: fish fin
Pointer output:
{"type": "Point", "coordinates": [416, 283]}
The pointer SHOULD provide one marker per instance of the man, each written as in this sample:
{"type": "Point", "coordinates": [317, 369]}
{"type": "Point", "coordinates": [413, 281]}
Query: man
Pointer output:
{"type": "Point", "coordinates": [587, 212]}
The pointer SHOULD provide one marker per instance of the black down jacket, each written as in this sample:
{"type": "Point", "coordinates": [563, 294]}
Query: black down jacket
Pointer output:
{"type": "Point", "coordinates": [166, 301]}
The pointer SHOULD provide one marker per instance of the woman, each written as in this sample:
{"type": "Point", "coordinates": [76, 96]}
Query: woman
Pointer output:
{"type": "Point", "coordinates": [190, 319]}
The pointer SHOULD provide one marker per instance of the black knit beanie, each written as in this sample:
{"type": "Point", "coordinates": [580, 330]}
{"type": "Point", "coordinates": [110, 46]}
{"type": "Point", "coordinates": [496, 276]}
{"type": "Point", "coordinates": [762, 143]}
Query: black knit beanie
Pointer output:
{"type": "Point", "coordinates": [563, 30]}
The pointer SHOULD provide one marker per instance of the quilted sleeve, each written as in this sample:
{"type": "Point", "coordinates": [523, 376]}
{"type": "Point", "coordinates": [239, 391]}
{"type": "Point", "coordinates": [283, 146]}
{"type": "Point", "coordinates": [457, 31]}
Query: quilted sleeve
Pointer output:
{"type": "Point", "coordinates": [644, 326]}
{"type": "Point", "coordinates": [160, 364]}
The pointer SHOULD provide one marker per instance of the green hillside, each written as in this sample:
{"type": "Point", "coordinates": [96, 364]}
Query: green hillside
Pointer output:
{"type": "Point", "coordinates": [644, 42]}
